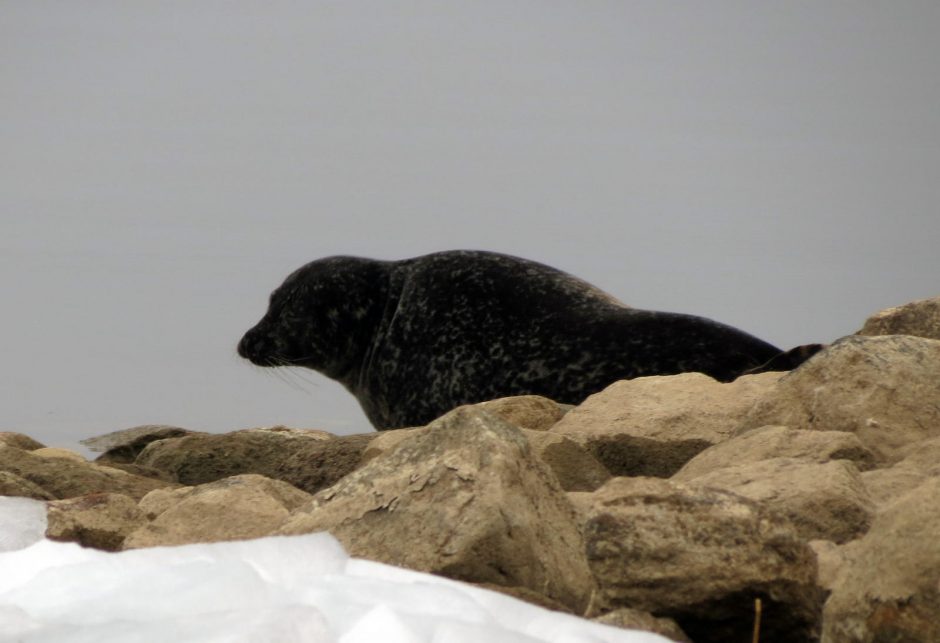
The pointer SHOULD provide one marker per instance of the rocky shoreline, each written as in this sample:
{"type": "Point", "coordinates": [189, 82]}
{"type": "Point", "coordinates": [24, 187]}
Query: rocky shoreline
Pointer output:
{"type": "Point", "coordinates": [674, 504]}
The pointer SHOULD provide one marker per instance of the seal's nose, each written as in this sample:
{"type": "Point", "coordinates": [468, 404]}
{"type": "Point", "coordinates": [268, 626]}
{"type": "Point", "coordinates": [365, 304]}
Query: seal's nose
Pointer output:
{"type": "Point", "coordinates": [245, 346]}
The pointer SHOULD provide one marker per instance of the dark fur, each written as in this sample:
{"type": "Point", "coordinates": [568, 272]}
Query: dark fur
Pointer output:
{"type": "Point", "coordinates": [413, 339]}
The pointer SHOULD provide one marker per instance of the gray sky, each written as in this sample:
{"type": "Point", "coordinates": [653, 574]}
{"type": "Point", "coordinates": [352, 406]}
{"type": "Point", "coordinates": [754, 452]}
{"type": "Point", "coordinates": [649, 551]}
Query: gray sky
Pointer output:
{"type": "Point", "coordinates": [166, 164]}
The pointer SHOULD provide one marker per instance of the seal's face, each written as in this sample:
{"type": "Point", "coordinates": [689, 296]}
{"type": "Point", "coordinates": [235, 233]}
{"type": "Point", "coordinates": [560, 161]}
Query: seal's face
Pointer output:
{"type": "Point", "coordinates": [281, 338]}
{"type": "Point", "coordinates": [313, 318]}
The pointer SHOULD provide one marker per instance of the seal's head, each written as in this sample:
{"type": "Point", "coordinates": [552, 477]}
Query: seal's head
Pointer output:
{"type": "Point", "coordinates": [319, 316]}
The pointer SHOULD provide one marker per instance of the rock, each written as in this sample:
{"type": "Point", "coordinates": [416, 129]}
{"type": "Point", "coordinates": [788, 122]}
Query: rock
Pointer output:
{"type": "Point", "coordinates": [388, 440]}
{"type": "Point", "coordinates": [575, 468]}
{"type": "Point", "coordinates": [65, 478]}
{"type": "Point", "coordinates": [532, 412]}
{"type": "Point", "coordinates": [240, 507]}
{"type": "Point", "coordinates": [700, 557]}
{"type": "Point", "coordinates": [652, 426]}
{"type": "Point", "coordinates": [138, 470]}
{"type": "Point", "coordinates": [19, 441]}
{"type": "Point", "coordinates": [920, 318]}
{"type": "Point", "coordinates": [639, 620]}
{"type": "Point", "coordinates": [53, 452]}
{"type": "Point", "coordinates": [889, 590]}
{"type": "Point", "coordinates": [830, 560]}
{"type": "Point", "coordinates": [14, 485]}
{"type": "Point", "coordinates": [885, 390]}
{"type": "Point", "coordinates": [887, 485]}
{"type": "Point", "coordinates": [921, 461]}
{"type": "Point", "coordinates": [125, 445]}
{"type": "Point", "coordinates": [823, 501]}
{"type": "Point", "coordinates": [466, 499]}
{"type": "Point", "coordinates": [768, 442]}
{"type": "Point", "coordinates": [306, 459]}
{"type": "Point", "coordinates": [99, 520]}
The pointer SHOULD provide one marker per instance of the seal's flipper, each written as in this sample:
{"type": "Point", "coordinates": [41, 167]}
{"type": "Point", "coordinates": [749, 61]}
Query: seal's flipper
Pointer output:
{"type": "Point", "coordinates": [787, 360]}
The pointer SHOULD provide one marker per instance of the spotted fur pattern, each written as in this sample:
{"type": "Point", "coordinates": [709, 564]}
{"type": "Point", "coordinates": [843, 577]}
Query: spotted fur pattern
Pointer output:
{"type": "Point", "coordinates": [413, 339]}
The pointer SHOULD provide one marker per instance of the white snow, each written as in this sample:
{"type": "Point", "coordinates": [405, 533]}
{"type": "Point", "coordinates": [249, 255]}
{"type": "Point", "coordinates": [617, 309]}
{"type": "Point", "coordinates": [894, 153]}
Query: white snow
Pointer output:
{"type": "Point", "coordinates": [284, 589]}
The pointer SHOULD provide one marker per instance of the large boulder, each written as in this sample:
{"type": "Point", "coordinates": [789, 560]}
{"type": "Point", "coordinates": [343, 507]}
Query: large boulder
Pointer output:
{"type": "Point", "coordinates": [701, 557]}
{"type": "Point", "coordinates": [889, 589]}
{"type": "Point", "coordinates": [920, 318]}
{"type": "Point", "coordinates": [885, 390]}
{"type": "Point", "coordinates": [236, 508]}
{"type": "Point", "coordinates": [823, 501]}
{"type": "Point", "coordinates": [309, 460]}
{"type": "Point", "coordinates": [575, 468]}
{"type": "Point", "coordinates": [67, 478]}
{"type": "Point", "coordinates": [653, 425]}
{"type": "Point", "coordinates": [466, 499]}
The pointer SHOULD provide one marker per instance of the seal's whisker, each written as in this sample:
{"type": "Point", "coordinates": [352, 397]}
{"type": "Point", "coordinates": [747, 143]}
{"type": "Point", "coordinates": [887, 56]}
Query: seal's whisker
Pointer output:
{"type": "Point", "coordinates": [283, 376]}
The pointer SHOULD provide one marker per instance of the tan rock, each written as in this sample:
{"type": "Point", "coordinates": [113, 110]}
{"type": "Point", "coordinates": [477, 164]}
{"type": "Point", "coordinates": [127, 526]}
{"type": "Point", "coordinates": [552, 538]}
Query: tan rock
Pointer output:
{"type": "Point", "coordinates": [99, 520]}
{"type": "Point", "coordinates": [830, 560]}
{"type": "Point", "coordinates": [921, 460]}
{"type": "Point", "coordinates": [890, 590]}
{"type": "Point", "coordinates": [125, 445]}
{"type": "Point", "coordinates": [55, 452]}
{"type": "Point", "coordinates": [701, 557]}
{"type": "Point", "coordinates": [887, 485]}
{"type": "Point", "coordinates": [14, 485]}
{"type": "Point", "coordinates": [65, 478]}
{"type": "Point", "coordinates": [386, 441]}
{"type": "Point", "coordinates": [19, 441]}
{"type": "Point", "coordinates": [920, 318]}
{"type": "Point", "coordinates": [654, 425]}
{"type": "Point", "coordinates": [639, 620]}
{"type": "Point", "coordinates": [885, 390]}
{"type": "Point", "coordinates": [466, 499]}
{"type": "Point", "coordinates": [307, 460]}
{"type": "Point", "coordinates": [768, 442]}
{"type": "Point", "coordinates": [823, 501]}
{"type": "Point", "coordinates": [575, 468]}
{"type": "Point", "coordinates": [235, 508]}
{"type": "Point", "coordinates": [532, 412]}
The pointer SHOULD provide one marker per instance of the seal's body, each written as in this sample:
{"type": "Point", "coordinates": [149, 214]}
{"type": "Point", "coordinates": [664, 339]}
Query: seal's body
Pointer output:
{"type": "Point", "coordinates": [413, 339]}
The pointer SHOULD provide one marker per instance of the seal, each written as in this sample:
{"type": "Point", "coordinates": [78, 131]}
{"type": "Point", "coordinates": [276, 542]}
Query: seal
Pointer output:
{"type": "Point", "coordinates": [413, 339]}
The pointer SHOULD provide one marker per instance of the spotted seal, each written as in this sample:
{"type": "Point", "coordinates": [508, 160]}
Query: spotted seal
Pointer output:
{"type": "Point", "coordinates": [413, 339]}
